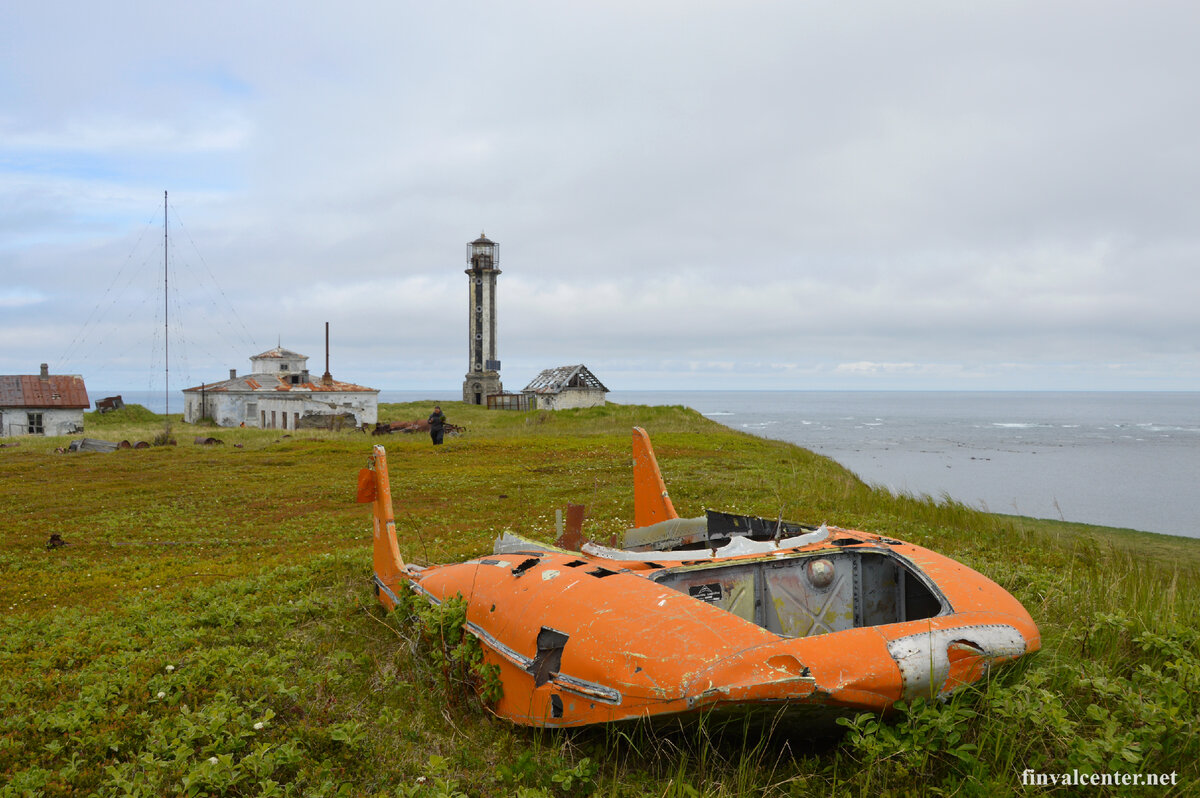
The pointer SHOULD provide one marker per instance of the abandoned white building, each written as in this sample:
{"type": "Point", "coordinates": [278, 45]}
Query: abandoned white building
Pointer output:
{"type": "Point", "coordinates": [42, 404]}
{"type": "Point", "coordinates": [565, 387]}
{"type": "Point", "coordinates": [279, 393]}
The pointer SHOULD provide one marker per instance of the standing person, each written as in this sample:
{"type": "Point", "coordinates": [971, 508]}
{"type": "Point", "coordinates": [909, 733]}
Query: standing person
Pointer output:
{"type": "Point", "coordinates": [437, 425]}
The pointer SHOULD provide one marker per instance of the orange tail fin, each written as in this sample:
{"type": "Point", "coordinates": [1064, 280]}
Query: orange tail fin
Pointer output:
{"type": "Point", "coordinates": [390, 570]}
{"type": "Point", "coordinates": [651, 503]}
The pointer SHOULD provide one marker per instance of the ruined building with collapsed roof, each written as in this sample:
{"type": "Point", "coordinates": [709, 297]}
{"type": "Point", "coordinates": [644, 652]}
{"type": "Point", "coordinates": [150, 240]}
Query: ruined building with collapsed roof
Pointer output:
{"type": "Point", "coordinates": [565, 387]}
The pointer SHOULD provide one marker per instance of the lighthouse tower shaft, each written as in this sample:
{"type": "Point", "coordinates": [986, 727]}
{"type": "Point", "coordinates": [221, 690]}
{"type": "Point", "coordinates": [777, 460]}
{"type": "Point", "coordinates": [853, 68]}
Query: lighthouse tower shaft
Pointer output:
{"type": "Point", "coordinates": [483, 366]}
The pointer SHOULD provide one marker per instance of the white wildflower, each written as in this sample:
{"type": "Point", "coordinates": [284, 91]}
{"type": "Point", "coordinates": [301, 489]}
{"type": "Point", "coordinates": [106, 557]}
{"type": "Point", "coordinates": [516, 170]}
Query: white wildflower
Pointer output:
{"type": "Point", "coordinates": [212, 760]}
{"type": "Point", "coordinates": [258, 725]}
{"type": "Point", "coordinates": [161, 694]}
{"type": "Point", "coordinates": [170, 668]}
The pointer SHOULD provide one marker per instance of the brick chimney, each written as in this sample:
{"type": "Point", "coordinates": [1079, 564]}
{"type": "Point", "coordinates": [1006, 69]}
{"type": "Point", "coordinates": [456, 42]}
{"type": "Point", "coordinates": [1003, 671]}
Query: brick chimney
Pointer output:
{"type": "Point", "coordinates": [45, 375]}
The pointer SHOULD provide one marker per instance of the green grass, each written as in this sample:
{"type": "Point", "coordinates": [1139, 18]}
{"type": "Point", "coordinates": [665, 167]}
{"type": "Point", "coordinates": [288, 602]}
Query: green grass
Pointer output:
{"type": "Point", "coordinates": [130, 416]}
{"type": "Point", "coordinates": [233, 581]}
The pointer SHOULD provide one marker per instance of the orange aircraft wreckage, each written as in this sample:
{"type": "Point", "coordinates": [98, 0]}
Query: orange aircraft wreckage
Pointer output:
{"type": "Point", "coordinates": [721, 612]}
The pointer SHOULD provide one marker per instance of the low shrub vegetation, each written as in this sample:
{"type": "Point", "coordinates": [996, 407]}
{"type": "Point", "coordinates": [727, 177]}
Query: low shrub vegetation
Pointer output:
{"type": "Point", "coordinates": [210, 628]}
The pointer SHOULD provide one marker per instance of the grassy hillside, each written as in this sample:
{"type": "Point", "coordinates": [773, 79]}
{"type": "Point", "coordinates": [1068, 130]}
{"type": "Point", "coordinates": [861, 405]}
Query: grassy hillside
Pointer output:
{"type": "Point", "coordinates": [210, 627]}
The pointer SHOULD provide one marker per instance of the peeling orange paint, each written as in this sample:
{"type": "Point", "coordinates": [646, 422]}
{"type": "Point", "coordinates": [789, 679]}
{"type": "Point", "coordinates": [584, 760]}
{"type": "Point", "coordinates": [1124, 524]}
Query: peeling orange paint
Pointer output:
{"type": "Point", "coordinates": [828, 621]}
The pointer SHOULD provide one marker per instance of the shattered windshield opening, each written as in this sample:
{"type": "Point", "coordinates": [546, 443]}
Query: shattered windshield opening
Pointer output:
{"type": "Point", "coordinates": [812, 595]}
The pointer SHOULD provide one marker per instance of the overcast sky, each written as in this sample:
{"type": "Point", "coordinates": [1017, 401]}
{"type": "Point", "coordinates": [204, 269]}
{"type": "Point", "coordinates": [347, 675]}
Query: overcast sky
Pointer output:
{"type": "Point", "coordinates": [687, 195]}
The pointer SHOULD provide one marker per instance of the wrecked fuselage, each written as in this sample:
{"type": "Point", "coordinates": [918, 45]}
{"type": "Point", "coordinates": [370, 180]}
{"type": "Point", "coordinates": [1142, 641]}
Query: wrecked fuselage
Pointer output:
{"type": "Point", "coordinates": [723, 612]}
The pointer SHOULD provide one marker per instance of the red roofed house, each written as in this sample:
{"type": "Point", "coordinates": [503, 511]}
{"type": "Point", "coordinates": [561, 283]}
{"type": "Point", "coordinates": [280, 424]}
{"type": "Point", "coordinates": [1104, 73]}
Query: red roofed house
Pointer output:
{"type": "Point", "coordinates": [42, 404]}
{"type": "Point", "coordinates": [279, 393]}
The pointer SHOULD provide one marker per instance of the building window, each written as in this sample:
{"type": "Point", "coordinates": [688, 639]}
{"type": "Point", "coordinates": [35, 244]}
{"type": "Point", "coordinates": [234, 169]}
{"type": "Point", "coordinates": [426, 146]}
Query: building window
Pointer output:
{"type": "Point", "coordinates": [251, 410]}
{"type": "Point", "coordinates": [283, 367]}
{"type": "Point", "coordinates": [35, 424]}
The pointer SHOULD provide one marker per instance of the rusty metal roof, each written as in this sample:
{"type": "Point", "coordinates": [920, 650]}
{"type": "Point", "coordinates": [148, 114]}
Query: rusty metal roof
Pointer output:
{"type": "Point", "coordinates": [280, 353]}
{"type": "Point", "coordinates": [558, 379]}
{"type": "Point", "coordinates": [56, 390]}
{"type": "Point", "coordinates": [278, 382]}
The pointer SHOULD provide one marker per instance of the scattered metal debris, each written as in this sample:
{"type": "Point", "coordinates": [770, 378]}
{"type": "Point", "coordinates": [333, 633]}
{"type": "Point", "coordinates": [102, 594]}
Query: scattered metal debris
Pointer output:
{"type": "Point", "coordinates": [97, 445]}
{"type": "Point", "coordinates": [93, 445]}
{"type": "Point", "coordinates": [327, 421]}
{"type": "Point", "coordinates": [570, 538]}
{"type": "Point", "coordinates": [408, 427]}
{"type": "Point", "coordinates": [109, 404]}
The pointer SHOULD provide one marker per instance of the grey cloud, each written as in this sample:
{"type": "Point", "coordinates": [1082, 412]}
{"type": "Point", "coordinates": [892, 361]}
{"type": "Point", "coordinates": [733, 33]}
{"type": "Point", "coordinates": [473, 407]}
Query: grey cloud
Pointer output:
{"type": "Point", "coordinates": [992, 193]}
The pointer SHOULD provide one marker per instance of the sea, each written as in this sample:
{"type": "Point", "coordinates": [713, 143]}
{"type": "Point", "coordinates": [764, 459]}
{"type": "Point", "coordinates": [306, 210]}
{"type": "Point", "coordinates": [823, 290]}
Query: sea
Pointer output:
{"type": "Point", "coordinates": [1121, 459]}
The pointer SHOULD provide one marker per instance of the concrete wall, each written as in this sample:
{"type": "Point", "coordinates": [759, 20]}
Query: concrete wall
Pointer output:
{"type": "Point", "coordinates": [481, 333]}
{"type": "Point", "coordinates": [481, 321]}
{"type": "Point", "coordinates": [14, 421]}
{"type": "Point", "coordinates": [488, 382]}
{"type": "Point", "coordinates": [481, 337]}
{"type": "Point", "coordinates": [268, 409]}
{"type": "Point", "coordinates": [569, 398]}
{"type": "Point", "coordinates": [275, 365]}
{"type": "Point", "coordinates": [226, 409]}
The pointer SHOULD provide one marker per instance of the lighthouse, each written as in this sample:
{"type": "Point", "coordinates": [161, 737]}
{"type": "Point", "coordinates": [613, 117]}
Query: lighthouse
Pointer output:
{"type": "Point", "coordinates": [483, 367]}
